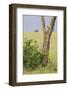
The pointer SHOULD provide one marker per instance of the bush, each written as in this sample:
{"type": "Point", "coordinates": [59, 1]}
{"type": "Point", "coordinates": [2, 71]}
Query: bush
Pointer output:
{"type": "Point", "coordinates": [32, 56]}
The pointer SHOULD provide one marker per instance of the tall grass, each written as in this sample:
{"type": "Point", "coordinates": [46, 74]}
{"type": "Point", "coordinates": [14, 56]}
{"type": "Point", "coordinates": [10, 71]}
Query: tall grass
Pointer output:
{"type": "Point", "coordinates": [52, 65]}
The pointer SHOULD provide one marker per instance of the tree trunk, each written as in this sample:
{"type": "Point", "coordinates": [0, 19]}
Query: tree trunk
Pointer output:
{"type": "Point", "coordinates": [46, 38]}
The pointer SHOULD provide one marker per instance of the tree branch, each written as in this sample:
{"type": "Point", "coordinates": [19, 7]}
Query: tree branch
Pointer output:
{"type": "Point", "coordinates": [43, 23]}
{"type": "Point", "coordinates": [52, 24]}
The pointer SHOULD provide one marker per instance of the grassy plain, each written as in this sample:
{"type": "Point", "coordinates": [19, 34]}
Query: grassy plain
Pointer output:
{"type": "Point", "coordinates": [52, 65]}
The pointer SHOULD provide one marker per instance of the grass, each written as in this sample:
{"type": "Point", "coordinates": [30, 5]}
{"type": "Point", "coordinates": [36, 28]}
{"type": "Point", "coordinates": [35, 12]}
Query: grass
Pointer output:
{"type": "Point", "coordinates": [52, 65]}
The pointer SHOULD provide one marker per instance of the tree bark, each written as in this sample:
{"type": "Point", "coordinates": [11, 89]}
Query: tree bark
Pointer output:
{"type": "Point", "coordinates": [46, 38]}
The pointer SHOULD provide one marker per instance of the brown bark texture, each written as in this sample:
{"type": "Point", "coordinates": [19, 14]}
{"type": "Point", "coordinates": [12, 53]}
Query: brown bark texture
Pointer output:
{"type": "Point", "coordinates": [47, 31]}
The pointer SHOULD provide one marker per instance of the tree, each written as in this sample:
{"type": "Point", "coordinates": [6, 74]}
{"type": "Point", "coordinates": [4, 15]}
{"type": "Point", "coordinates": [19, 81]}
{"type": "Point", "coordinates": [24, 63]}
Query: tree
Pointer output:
{"type": "Point", "coordinates": [47, 31]}
{"type": "Point", "coordinates": [36, 30]}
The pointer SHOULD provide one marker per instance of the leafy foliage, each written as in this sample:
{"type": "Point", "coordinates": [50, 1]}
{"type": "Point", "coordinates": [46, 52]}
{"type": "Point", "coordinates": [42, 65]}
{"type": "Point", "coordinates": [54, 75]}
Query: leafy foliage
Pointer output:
{"type": "Point", "coordinates": [32, 56]}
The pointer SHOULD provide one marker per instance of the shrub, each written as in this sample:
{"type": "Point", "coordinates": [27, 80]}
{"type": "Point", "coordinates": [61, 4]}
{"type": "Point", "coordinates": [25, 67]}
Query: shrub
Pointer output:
{"type": "Point", "coordinates": [32, 56]}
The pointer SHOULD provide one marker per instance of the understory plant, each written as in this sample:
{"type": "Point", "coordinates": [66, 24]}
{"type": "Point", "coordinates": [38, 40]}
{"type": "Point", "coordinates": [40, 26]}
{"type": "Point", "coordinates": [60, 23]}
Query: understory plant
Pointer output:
{"type": "Point", "coordinates": [32, 57]}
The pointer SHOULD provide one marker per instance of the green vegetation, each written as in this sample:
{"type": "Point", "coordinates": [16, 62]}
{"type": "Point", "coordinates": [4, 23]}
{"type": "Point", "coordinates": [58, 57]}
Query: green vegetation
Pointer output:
{"type": "Point", "coordinates": [33, 56]}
